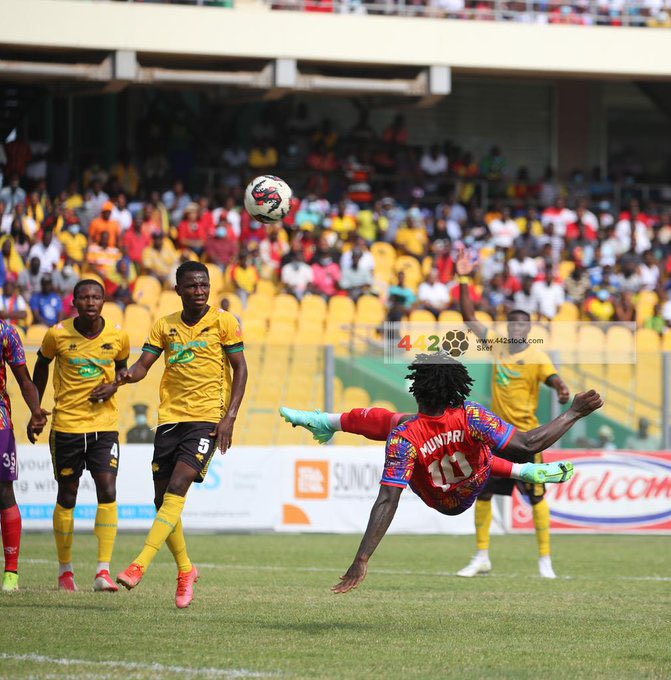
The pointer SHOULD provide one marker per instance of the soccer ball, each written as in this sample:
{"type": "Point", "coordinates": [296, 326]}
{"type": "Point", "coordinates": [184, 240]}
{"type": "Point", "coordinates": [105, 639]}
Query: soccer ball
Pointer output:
{"type": "Point", "coordinates": [268, 199]}
{"type": "Point", "coordinates": [455, 343]}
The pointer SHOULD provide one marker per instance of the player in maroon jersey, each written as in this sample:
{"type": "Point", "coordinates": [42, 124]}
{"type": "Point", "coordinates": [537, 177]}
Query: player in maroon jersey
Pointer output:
{"type": "Point", "coordinates": [444, 452]}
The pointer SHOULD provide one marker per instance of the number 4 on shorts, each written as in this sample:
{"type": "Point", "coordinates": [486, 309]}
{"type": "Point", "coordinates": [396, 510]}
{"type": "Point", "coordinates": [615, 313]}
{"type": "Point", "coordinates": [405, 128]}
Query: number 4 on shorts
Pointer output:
{"type": "Point", "coordinates": [203, 445]}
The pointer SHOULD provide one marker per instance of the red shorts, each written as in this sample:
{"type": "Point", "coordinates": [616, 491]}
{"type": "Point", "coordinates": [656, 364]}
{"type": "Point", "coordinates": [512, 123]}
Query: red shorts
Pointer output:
{"type": "Point", "coordinates": [458, 498]}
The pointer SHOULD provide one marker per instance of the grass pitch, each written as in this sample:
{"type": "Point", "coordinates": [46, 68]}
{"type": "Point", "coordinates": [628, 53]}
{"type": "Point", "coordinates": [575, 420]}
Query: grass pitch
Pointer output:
{"type": "Point", "coordinates": [263, 608]}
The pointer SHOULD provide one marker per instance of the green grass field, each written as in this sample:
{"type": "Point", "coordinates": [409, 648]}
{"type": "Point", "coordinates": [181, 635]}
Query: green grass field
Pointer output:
{"type": "Point", "coordinates": [263, 607]}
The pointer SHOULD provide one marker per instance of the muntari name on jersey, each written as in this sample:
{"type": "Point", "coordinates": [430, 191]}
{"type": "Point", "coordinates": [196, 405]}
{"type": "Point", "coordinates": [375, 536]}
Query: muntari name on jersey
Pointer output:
{"type": "Point", "coordinates": [442, 439]}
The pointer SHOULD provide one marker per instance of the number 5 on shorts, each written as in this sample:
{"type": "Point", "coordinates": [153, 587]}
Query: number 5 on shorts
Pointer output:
{"type": "Point", "coordinates": [203, 445]}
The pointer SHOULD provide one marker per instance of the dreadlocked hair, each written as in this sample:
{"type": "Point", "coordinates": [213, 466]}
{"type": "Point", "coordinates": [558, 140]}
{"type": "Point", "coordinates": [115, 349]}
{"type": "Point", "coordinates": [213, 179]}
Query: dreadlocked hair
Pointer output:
{"type": "Point", "coordinates": [439, 381]}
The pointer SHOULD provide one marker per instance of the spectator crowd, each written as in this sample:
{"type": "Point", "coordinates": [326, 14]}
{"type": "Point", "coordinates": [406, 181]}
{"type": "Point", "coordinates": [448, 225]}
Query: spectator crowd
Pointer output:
{"type": "Point", "coordinates": [539, 245]}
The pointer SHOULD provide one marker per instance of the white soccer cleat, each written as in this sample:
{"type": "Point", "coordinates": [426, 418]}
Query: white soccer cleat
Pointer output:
{"type": "Point", "coordinates": [545, 567]}
{"type": "Point", "coordinates": [478, 565]}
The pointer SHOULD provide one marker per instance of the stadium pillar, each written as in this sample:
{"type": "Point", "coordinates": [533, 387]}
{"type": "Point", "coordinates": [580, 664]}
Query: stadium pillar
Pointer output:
{"type": "Point", "coordinates": [666, 398]}
{"type": "Point", "coordinates": [329, 377]}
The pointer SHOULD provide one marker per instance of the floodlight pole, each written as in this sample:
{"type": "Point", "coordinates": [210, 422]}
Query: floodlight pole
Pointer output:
{"type": "Point", "coordinates": [666, 398]}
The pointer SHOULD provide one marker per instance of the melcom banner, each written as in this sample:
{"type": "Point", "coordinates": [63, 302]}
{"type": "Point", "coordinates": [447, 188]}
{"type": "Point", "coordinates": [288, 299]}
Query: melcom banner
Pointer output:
{"type": "Point", "coordinates": [611, 491]}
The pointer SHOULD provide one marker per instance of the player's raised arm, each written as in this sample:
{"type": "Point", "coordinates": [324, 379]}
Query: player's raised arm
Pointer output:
{"type": "Point", "coordinates": [381, 516]}
{"type": "Point", "coordinates": [465, 267]}
{"type": "Point", "coordinates": [542, 437]}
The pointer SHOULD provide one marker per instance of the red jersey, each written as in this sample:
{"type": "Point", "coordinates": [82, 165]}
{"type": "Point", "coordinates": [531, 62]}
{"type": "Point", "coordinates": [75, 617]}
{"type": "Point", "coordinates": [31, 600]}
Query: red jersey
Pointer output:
{"type": "Point", "coordinates": [446, 459]}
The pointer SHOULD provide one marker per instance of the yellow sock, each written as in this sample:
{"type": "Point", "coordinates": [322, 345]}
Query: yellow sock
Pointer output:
{"type": "Point", "coordinates": [164, 524]}
{"type": "Point", "coordinates": [64, 530]}
{"type": "Point", "coordinates": [105, 530]}
{"type": "Point", "coordinates": [483, 523]}
{"type": "Point", "coordinates": [542, 523]}
{"type": "Point", "coordinates": [177, 546]}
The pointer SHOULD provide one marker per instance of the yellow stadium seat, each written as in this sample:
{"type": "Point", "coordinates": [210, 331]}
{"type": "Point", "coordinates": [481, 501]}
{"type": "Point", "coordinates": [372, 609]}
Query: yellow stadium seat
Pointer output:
{"type": "Point", "coordinates": [216, 278]}
{"type": "Point", "coordinates": [566, 269]}
{"type": "Point", "coordinates": [381, 403]}
{"type": "Point", "coordinates": [568, 312]}
{"type": "Point", "coordinates": [234, 303]}
{"type": "Point", "coordinates": [280, 333]}
{"type": "Point", "coordinates": [427, 266]}
{"type": "Point", "coordinates": [483, 317]}
{"type": "Point", "coordinates": [449, 316]}
{"type": "Point", "coordinates": [408, 264]}
{"type": "Point", "coordinates": [113, 314]}
{"type": "Point", "coordinates": [422, 316]}
{"type": "Point", "coordinates": [383, 253]}
{"type": "Point", "coordinates": [369, 310]}
{"type": "Point", "coordinates": [266, 287]}
{"type": "Point", "coordinates": [254, 329]}
{"type": "Point", "coordinates": [647, 340]}
{"type": "Point", "coordinates": [258, 306]}
{"type": "Point", "coordinates": [313, 307]}
{"type": "Point", "coordinates": [341, 309]}
{"type": "Point", "coordinates": [168, 303]}
{"type": "Point", "coordinates": [356, 395]}
{"type": "Point", "coordinates": [137, 323]}
{"type": "Point", "coordinates": [146, 291]}
{"type": "Point", "coordinates": [311, 338]}
{"type": "Point", "coordinates": [285, 308]}
{"type": "Point", "coordinates": [35, 335]}
{"type": "Point", "coordinates": [95, 277]}
{"type": "Point", "coordinates": [666, 341]}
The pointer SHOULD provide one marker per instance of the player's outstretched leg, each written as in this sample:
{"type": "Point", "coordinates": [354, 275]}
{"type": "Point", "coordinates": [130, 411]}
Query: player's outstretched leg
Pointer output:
{"type": "Point", "coordinates": [320, 424]}
{"type": "Point", "coordinates": [546, 473]}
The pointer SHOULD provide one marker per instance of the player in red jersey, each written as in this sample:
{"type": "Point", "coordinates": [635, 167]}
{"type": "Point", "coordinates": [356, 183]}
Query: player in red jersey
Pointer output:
{"type": "Point", "coordinates": [444, 452]}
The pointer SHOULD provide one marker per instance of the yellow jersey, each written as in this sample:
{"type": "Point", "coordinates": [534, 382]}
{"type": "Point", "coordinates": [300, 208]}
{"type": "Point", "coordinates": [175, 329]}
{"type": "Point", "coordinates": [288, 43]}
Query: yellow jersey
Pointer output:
{"type": "Point", "coordinates": [516, 383]}
{"type": "Point", "coordinates": [196, 383]}
{"type": "Point", "coordinates": [81, 365]}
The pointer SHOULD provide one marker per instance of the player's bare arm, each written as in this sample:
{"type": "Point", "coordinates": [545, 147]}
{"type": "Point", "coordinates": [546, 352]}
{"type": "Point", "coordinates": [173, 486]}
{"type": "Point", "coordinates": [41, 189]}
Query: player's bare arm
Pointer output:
{"type": "Point", "coordinates": [465, 267]}
{"type": "Point", "coordinates": [138, 371]}
{"type": "Point", "coordinates": [560, 387]}
{"type": "Point", "coordinates": [106, 391]}
{"type": "Point", "coordinates": [40, 379]}
{"type": "Point", "coordinates": [224, 429]}
{"type": "Point", "coordinates": [540, 438]}
{"type": "Point", "coordinates": [31, 395]}
{"type": "Point", "coordinates": [381, 516]}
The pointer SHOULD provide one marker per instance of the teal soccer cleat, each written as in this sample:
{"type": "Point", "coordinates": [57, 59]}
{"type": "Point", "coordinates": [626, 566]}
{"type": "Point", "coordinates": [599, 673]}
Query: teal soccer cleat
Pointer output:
{"type": "Point", "coordinates": [547, 473]}
{"type": "Point", "coordinates": [315, 421]}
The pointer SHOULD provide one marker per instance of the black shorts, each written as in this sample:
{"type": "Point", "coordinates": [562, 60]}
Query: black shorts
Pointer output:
{"type": "Point", "coordinates": [190, 443]}
{"type": "Point", "coordinates": [95, 451]}
{"type": "Point", "coordinates": [504, 487]}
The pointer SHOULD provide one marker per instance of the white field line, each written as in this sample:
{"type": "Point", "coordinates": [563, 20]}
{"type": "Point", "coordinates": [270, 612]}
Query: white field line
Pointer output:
{"type": "Point", "coordinates": [133, 666]}
{"type": "Point", "coordinates": [389, 572]}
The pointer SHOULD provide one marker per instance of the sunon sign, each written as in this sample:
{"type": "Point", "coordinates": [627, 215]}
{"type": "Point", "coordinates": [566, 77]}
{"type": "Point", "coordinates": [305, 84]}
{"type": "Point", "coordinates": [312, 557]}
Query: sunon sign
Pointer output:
{"type": "Point", "coordinates": [610, 491]}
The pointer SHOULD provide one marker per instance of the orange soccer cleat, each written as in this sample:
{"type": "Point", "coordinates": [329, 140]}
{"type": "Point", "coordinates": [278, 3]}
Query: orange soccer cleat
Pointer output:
{"type": "Point", "coordinates": [103, 583]}
{"type": "Point", "coordinates": [184, 593]}
{"type": "Point", "coordinates": [66, 581]}
{"type": "Point", "coordinates": [131, 576]}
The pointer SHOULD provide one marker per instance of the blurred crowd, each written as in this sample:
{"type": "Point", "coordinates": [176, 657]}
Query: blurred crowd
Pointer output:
{"type": "Point", "coordinates": [539, 244]}
{"type": "Point", "coordinates": [654, 13]}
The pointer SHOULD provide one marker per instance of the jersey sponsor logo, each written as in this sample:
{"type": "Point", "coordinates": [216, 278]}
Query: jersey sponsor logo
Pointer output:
{"type": "Point", "coordinates": [90, 368]}
{"type": "Point", "coordinates": [442, 439]}
{"type": "Point", "coordinates": [505, 375]}
{"type": "Point", "coordinates": [184, 356]}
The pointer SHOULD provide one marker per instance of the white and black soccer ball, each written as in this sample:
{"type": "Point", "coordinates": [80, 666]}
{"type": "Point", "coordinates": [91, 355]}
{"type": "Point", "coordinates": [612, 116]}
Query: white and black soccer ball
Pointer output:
{"type": "Point", "coordinates": [268, 198]}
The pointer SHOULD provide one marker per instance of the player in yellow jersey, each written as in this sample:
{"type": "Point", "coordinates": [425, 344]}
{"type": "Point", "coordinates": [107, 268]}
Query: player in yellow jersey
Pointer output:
{"type": "Point", "coordinates": [199, 402]}
{"type": "Point", "coordinates": [519, 371]}
{"type": "Point", "coordinates": [85, 428]}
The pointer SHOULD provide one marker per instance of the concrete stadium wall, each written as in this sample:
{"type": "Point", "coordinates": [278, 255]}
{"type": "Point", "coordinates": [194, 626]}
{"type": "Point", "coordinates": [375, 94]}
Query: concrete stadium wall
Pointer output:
{"type": "Point", "coordinates": [253, 31]}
